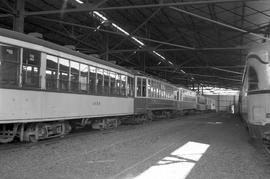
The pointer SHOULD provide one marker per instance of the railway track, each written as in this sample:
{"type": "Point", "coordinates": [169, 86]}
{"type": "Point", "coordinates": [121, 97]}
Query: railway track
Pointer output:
{"type": "Point", "coordinates": [75, 133]}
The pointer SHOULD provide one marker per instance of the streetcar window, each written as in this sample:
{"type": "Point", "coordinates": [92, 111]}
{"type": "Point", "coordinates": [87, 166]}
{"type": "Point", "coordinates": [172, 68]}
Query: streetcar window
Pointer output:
{"type": "Point", "coordinates": [252, 79]}
{"type": "Point", "coordinates": [180, 95]}
{"type": "Point", "coordinates": [167, 92]}
{"type": "Point", "coordinates": [31, 68]}
{"type": "Point", "coordinates": [154, 89]}
{"type": "Point", "coordinates": [159, 89]}
{"type": "Point", "coordinates": [175, 94]}
{"type": "Point", "coordinates": [139, 87]}
{"type": "Point", "coordinates": [123, 85]}
{"type": "Point", "coordinates": [106, 83]}
{"type": "Point", "coordinates": [92, 80]}
{"type": "Point", "coordinates": [9, 65]}
{"type": "Point", "coordinates": [74, 76]}
{"type": "Point", "coordinates": [63, 74]}
{"type": "Point", "coordinates": [51, 72]}
{"type": "Point", "coordinates": [118, 87]}
{"type": "Point", "coordinates": [149, 88]}
{"type": "Point", "coordinates": [130, 86]}
{"type": "Point", "coordinates": [144, 87]}
{"type": "Point", "coordinates": [162, 91]}
{"type": "Point", "coordinates": [113, 84]}
{"type": "Point", "coordinates": [83, 78]}
{"type": "Point", "coordinates": [100, 81]}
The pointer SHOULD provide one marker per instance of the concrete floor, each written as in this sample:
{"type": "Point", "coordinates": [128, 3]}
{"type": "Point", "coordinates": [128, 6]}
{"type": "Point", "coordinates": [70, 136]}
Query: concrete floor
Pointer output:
{"type": "Point", "coordinates": [200, 146]}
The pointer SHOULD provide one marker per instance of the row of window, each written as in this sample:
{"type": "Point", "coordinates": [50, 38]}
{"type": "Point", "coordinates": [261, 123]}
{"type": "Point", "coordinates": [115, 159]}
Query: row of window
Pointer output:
{"type": "Point", "coordinates": [67, 75]}
{"type": "Point", "coordinates": [155, 89]}
{"type": "Point", "coordinates": [70, 76]}
{"type": "Point", "coordinates": [61, 74]}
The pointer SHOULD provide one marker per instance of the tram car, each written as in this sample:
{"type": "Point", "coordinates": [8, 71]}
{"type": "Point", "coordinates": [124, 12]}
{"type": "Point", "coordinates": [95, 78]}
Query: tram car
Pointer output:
{"type": "Point", "coordinates": [42, 85]}
{"type": "Point", "coordinates": [254, 100]}
{"type": "Point", "coordinates": [47, 89]}
{"type": "Point", "coordinates": [154, 97]}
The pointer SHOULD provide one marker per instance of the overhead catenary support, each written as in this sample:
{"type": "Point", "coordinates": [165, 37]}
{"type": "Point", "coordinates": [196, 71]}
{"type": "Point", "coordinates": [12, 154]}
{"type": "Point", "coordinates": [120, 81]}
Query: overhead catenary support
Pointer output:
{"type": "Point", "coordinates": [196, 67]}
{"type": "Point", "coordinates": [87, 7]}
{"type": "Point", "coordinates": [107, 47]}
{"type": "Point", "coordinates": [229, 71]}
{"type": "Point", "coordinates": [179, 49]}
{"type": "Point", "coordinates": [18, 22]}
{"type": "Point", "coordinates": [219, 23]}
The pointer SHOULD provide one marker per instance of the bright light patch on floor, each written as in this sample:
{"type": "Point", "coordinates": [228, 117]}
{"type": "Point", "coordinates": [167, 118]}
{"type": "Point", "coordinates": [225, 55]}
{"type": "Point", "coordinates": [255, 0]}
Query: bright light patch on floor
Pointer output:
{"type": "Point", "coordinates": [178, 164]}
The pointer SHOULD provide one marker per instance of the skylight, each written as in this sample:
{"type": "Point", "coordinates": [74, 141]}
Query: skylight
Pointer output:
{"type": "Point", "coordinates": [120, 29]}
{"type": "Point", "coordinates": [158, 55]}
{"type": "Point", "coordinates": [138, 41]}
{"type": "Point", "coordinates": [210, 90]}
{"type": "Point", "coordinates": [79, 1]}
{"type": "Point", "coordinates": [100, 15]}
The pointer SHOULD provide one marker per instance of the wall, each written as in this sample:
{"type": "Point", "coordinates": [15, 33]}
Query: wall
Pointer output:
{"type": "Point", "coordinates": [224, 102]}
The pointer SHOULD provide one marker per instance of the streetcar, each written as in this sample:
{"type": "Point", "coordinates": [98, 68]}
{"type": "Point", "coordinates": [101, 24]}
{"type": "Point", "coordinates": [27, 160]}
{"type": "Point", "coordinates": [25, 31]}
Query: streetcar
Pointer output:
{"type": "Point", "coordinates": [46, 90]}
{"type": "Point", "coordinates": [254, 101]}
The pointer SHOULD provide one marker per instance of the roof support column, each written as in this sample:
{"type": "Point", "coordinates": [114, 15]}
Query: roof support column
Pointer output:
{"type": "Point", "coordinates": [18, 22]}
{"type": "Point", "coordinates": [107, 47]}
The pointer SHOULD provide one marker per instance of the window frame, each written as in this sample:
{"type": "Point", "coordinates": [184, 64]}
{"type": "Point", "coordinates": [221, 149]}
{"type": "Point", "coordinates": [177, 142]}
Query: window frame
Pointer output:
{"type": "Point", "coordinates": [255, 85]}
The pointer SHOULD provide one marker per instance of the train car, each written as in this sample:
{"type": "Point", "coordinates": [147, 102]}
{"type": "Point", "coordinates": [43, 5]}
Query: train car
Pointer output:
{"type": "Point", "coordinates": [254, 98]}
{"type": "Point", "coordinates": [44, 87]}
{"type": "Point", "coordinates": [201, 103]}
{"type": "Point", "coordinates": [154, 96]}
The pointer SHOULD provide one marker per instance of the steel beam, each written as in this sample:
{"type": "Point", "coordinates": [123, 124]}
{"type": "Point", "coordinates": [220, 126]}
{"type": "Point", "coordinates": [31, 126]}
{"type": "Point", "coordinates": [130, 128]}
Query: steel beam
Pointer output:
{"type": "Point", "coordinates": [220, 69]}
{"type": "Point", "coordinates": [65, 35]}
{"type": "Point", "coordinates": [197, 67]}
{"type": "Point", "coordinates": [219, 23]}
{"type": "Point", "coordinates": [91, 8]}
{"type": "Point", "coordinates": [8, 5]}
{"type": "Point", "coordinates": [179, 49]}
{"type": "Point", "coordinates": [134, 31]}
{"type": "Point", "coordinates": [202, 75]}
{"type": "Point", "coordinates": [115, 33]}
